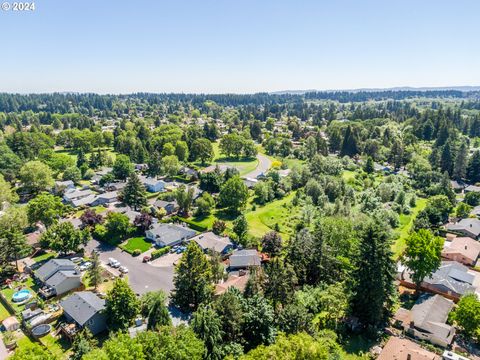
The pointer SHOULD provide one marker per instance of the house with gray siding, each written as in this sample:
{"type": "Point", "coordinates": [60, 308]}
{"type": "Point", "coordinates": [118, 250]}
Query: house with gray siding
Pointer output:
{"type": "Point", "coordinates": [85, 309]}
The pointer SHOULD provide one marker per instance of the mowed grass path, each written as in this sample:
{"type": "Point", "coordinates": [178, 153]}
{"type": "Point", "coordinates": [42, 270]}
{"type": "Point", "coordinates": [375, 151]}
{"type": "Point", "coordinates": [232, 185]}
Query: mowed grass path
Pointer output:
{"type": "Point", "coordinates": [263, 218]}
{"type": "Point", "coordinates": [406, 223]}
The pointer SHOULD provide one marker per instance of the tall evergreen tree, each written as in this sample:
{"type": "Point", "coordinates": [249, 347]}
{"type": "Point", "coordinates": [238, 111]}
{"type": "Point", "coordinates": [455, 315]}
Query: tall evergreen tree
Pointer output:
{"type": "Point", "coordinates": [461, 161]}
{"type": "Point", "coordinates": [134, 193]}
{"type": "Point", "coordinates": [373, 277]}
{"type": "Point", "coordinates": [192, 279]}
{"type": "Point", "coordinates": [349, 144]}
{"type": "Point", "coordinates": [446, 159]}
{"type": "Point", "coordinates": [207, 325]}
{"type": "Point", "coordinates": [473, 169]}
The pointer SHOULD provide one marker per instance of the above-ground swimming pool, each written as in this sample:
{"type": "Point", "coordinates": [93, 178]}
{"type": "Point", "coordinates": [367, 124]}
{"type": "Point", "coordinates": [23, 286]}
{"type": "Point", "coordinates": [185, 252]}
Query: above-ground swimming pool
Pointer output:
{"type": "Point", "coordinates": [41, 330]}
{"type": "Point", "coordinates": [21, 295]}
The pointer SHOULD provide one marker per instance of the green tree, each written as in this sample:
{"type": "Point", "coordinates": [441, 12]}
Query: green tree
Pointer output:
{"type": "Point", "coordinates": [204, 203]}
{"type": "Point", "coordinates": [154, 164]}
{"type": "Point", "coordinates": [95, 272]}
{"type": "Point", "coordinates": [122, 168]}
{"type": "Point", "coordinates": [422, 254]}
{"type": "Point", "coordinates": [10, 163]}
{"type": "Point", "coordinates": [83, 343]}
{"type": "Point", "coordinates": [36, 177]}
{"type": "Point", "coordinates": [240, 228]}
{"type": "Point", "coordinates": [46, 208]}
{"type": "Point", "coordinates": [349, 144]}
{"type": "Point", "coordinates": [446, 159]}
{"type": "Point", "coordinates": [158, 314]}
{"type": "Point", "coordinates": [280, 282]}
{"type": "Point", "coordinates": [229, 306]}
{"type": "Point", "coordinates": [461, 162]}
{"type": "Point", "coordinates": [473, 168]}
{"type": "Point", "coordinates": [181, 151]}
{"type": "Point", "coordinates": [272, 243]}
{"type": "Point", "coordinates": [121, 305]}
{"type": "Point", "coordinates": [373, 277]}
{"type": "Point", "coordinates": [121, 347]}
{"type": "Point", "coordinates": [202, 149]}
{"type": "Point", "coordinates": [31, 351]}
{"type": "Point", "coordinates": [233, 194]}
{"type": "Point", "coordinates": [208, 327]}
{"type": "Point", "coordinates": [12, 244]}
{"type": "Point", "coordinates": [467, 315]}
{"type": "Point", "coordinates": [64, 238]}
{"type": "Point", "coordinates": [463, 210]}
{"type": "Point", "coordinates": [369, 166]}
{"type": "Point", "coordinates": [168, 149]}
{"type": "Point", "coordinates": [258, 325]}
{"type": "Point", "coordinates": [184, 197]}
{"type": "Point", "coordinates": [192, 279]}
{"type": "Point", "coordinates": [118, 225]}
{"type": "Point", "coordinates": [170, 165]}
{"type": "Point", "coordinates": [72, 173]}
{"type": "Point", "coordinates": [7, 194]}
{"type": "Point", "coordinates": [232, 144]}
{"type": "Point", "coordinates": [134, 193]}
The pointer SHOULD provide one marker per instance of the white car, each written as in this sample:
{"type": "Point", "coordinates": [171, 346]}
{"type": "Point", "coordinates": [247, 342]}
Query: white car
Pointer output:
{"type": "Point", "coordinates": [113, 263]}
{"type": "Point", "coordinates": [85, 266]}
{"type": "Point", "coordinates": [123, 269]}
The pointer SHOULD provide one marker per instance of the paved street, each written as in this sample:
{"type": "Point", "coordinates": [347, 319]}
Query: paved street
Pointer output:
{"type": "Point", "coordinates": [142, 277]}
{"type": "Point", "coordinates": [264, 164]}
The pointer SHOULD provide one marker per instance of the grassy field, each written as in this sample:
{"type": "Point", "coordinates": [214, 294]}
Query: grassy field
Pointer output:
{"type": "Point", "coordinates": [406, 222]}
{"type": "Point", "coordinates": [43, 257]}
{"type": "Point", "coordinates": [244, 166]}
{"type": "Point", "coordinates": [136, 243]}
{"type": "Point", "coordinates": [3, 312]}
{"type": "Point", "coordinates": [263, 218]}
{"type": "Point", "coordinates": [58, 347]}
{"type": "Point", "coordinates": [203, 221]}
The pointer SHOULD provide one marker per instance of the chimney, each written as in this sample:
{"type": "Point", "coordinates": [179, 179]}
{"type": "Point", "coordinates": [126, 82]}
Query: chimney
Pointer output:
{"type": "Point", "coordinates": [465, 247]}
{"type": "Point", "coordinates": [409, 357]}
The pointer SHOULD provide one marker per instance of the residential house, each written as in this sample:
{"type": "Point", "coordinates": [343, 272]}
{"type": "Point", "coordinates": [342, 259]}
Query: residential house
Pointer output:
{"type": "Point", "coordinates": [451, 280]}
{"type": "Point", "coordinates": [58, 276]}
{"type": "Point", "coordinates": [84, 201]}
{"type": "Point", "coordinates": [170, 207]}
{"type": "Point", "coordinates": [99, 174]}
{"type": "Point", "coordinates": [63, 186]}
{"type": "Point", "coordinates": [458, 186]}
{"type": "Point", "coordinates": [242, 259]}
{"type": "Point", "coordinates": [168, 234]}
{"type": "Point", "coordinates": [153, 184]}
{"type": "Point", "coordinates": [106, 198]}
{"type": "Point", "coordinates": [472, 188]}
{"type": "Point", "coordinates": [76, 222]}
{"type": "Point", "coordinates": [468, 227]}
{"type": "Point", "coordinates": [85, 309]}
{"type": "Point", "coordinates": [450, 355]}
{"type": "Point", "coordinates": [209, 241]}
{"type": "Point", "coordinates": [475, 211]}
{"type": "Point", "coordinates": [237, 281]}
{"type": "Point", "coordinates": [250, 182]}
{"type": "Point", "coordinates": [75, 194]}
{"type": "Point", "coordinates": [403, 349]}
{"type": "Point", "coordinates": [464, 250]}
{"type": "Point", "coordinates": [428, 319]}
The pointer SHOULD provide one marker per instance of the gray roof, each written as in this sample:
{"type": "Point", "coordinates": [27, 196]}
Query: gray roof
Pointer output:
{"type": "Point", "coordinates": [430, 315]}
{"type": "Point", "coordinates": [81, 306]}
{"type": "Point", "coordinates": [76, 194]}
{"type": "Point", "coordinates": [245, 258]}
{"type": "Point", "coordinates": [87, 200]}
{"type": "Point", "coordinates": [108, 195]}
{"type": "Point", "coordinates": [211, 241]}
{"type": "Point", "coordinates": [470, 225]}
{"type": "Point", "coordinates": [52, 266]}
{"type": "Point", "coordinates": [61, 276]}
{"type": "Point", "coordinates": [170, 234]}
{"type": "Point", "coordinates": [163, 203]}
{"type": "Point", "coordinates": [472, 188]}
{"type": "Point", "coordinates": [453, 276]}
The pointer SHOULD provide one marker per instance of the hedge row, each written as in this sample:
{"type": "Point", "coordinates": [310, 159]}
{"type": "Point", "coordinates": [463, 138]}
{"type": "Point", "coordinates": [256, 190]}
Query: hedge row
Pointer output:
{"type": "Point", "coordinates": [159, 252]}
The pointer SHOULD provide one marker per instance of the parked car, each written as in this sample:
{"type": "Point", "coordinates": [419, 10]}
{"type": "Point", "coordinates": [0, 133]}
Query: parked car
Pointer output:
{"type": "Point", "coordinates": [85, 266]}
{"type": "Point", "coordinates": [113, 263]}
{"type": "Point", "coordinates": [123, 269]}
{"type": "Point", "coordinates": [76, 259]}
{"type": "Point", "coordinates": [146, 258]}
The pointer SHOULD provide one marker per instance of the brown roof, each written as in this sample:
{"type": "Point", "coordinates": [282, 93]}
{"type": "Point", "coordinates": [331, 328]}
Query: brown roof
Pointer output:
{"type": "Point", "coordinates": [33, 239]}
{"type": "Point", "coordinates": [236, 281]}
{"type": "Point", "coordinates": [463, 245]}
{"type": "Point", "coordinates": [399, 349]}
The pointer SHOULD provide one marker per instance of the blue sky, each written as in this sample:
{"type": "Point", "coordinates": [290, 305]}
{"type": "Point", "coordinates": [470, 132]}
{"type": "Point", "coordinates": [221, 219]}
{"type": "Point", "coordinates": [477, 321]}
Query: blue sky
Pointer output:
{"type": "Point", "coordinates": [118, 46]}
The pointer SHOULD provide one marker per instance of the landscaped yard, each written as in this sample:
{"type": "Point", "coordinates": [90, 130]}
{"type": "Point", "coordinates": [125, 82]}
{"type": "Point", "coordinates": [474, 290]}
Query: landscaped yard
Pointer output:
{"type": "Point", "coordinates": [44, 256]}
{"type": "Point", "coordinates": [263, 218]}
{"type": "Point", "coordinates": [136, 243]}
{"type": "Point", "coordinates": [59, 347]}
{"type": "Point", "coordinates": [8, 293]}
{"type": "Point", "coordinates": [98, 209]}
{"type": "Point", "coordinates": [406, 222]}
{"type": "Point", "coordinates": [3, 312]}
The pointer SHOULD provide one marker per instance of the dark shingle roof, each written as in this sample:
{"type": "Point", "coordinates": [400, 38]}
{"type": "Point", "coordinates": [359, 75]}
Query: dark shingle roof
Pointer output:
{"type": "Point", "coordinates": [81, 306]}
{"type": "Point", "coordinates": [245, 258]}
{"type": "Point", "coordinates": [52, 266]}
{"type": "Point", "coordinates": [60, 276]}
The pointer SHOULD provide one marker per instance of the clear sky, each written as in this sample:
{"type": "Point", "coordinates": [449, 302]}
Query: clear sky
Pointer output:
{"type": "Point", "coordinates": [118, 46]}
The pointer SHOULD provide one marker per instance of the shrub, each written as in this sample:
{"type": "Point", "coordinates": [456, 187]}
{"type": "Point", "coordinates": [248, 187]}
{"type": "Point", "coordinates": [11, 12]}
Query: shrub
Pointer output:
{"type": "Point", "coordinates": [136, 252]}
{"type": "Point", "coordinates": [160, 252]}
{"type": "Point", "coordinates": [100, 232]}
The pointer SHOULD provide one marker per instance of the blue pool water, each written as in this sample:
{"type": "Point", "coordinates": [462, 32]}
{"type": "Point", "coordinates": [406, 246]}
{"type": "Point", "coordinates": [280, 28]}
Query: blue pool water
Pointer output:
{"type": "Point", "coordinates": [21, 295]}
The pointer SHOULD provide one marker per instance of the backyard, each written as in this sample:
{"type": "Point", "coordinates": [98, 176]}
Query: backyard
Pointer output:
{"type": "Point", "coordinates": [8, 293]}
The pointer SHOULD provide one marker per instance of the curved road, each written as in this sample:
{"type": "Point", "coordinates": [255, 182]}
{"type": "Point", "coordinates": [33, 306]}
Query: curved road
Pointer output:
{"type": "Point", "coordinates": [264, 164]}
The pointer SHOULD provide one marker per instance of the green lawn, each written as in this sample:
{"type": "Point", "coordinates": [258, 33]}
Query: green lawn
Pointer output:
{"type": "Point", "coordinates": [8, 293]}
{"type": "Point", "coordinates": [3, 312]}
{"type": "Point", "coordinates": [136, 243]}
{"type": "Point", "coordinates": [406, 222]}
{"type": "Point", "coordinates": [98, 209]}
{"type": "Point", "coordinates": [203, 221]}
{"type": "Point", "coordinates": [43, 257]}
{"type": "Point", "coordinates": [58, 347]}
{"type": "Point", "coordinates": [348, 175]}
{"type": "Point", "coordinates": [263, 218]}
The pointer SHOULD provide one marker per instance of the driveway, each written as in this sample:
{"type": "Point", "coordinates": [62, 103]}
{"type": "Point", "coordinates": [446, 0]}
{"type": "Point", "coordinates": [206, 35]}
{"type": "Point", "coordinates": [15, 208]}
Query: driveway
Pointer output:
{"type": "Point", "coordinates": [142, 277]}
{"type": "Point", "coordinates": [264, 164]}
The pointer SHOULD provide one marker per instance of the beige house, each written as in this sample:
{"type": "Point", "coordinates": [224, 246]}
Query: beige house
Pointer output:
{"type": "Point", "coordinates": [464, 250]}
